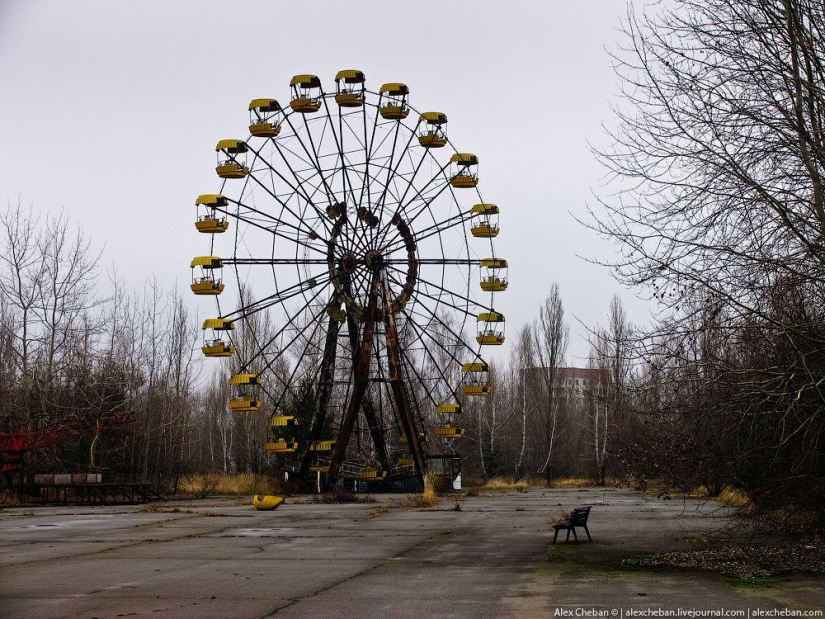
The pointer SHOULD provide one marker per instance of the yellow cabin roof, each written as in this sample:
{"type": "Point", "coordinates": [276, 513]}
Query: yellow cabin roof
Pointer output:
{"type": "Point", "coordinates": [220, 324]}
{"type": "Point", "coordinates": [476, 366]}
{"type": "Point", "coordinates": [265, 105]}
{"type": "Point", "coordinates": [449, 408]}
{"type": "Point", "coordinates": [464, 158]}
{"type": "Point", "coordinates": [490, 317]}
{"type": "Point", "coordinates": [306, 80]}
{"type": "Point", "coordinates": [486, 209]}
{"type": "Point", "coordinates": [243, 379]}
{"type": "Point", "coordinates": [493, 263]}
{"type": "Point", "coordinates": [209, 262]}
{"type": "Point", "coordinates": [212, 199]}
{"type": "Point", "coordinates": [394, 88]}
{"type": "Point", "coordinates": [434, 118]}
{"type": "Point", "coordinates": [350, 76]}
{"type": "Point", "coordinates": [232, 146]}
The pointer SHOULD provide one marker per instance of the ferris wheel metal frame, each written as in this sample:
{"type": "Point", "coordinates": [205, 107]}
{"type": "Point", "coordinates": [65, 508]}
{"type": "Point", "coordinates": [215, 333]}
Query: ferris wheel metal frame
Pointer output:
{"type": "Point", "coordinates": [333, 188]}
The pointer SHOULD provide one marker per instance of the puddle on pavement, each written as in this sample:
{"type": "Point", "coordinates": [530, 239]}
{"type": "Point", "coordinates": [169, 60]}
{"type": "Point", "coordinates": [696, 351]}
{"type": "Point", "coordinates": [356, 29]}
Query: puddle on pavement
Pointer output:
{"type": "Point", "coordinates": [257, 532]}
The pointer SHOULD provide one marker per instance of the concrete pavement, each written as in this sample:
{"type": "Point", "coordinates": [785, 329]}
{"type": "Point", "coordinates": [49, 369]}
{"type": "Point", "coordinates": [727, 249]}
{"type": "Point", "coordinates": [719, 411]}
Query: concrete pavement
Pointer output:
{"type": "Point", "coordinates": [221, 558]}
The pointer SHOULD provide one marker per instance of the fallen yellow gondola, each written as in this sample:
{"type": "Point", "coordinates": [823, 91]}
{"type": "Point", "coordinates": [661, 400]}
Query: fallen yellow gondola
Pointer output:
{"type": "Point", "coordinates": [306, 93]}
{"type": "Point", "coordinates": [393, 102]}
{"type": "Point", "coordinates": [267, 502]}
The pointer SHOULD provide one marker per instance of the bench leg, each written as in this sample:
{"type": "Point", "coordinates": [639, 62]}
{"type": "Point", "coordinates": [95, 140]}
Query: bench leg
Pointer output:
{"type": "Point", "coordinates": [588, 533]}
{"type": "Point", "coordinates": [575, 537]}
{"type": "Point", "coordinates": [555, 537]}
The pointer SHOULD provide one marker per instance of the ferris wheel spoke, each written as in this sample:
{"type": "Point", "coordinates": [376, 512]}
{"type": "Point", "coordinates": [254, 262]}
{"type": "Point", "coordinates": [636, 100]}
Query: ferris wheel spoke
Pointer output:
{"type": "Point", "coordinates": [391, 172]}
{"type": "Point", "coordinates": [438, 342]}
{"type": "Point", "coordinates": [435, 401]}
{"type": "Point", "coordinates": [244, 311]}
{"type": "Point", "coordinates": [271, 361]}
{"type": "Point", "coordinates": [281, 202]}
{"type": "Point", "coordinates": [382, 233]}
{"type": "Point", "coordinates": [447, 291]}
{"type": "Point", "coordinates": [272, 231]}
{"type": "Point", "coordinates": [296, 190]}
{"type": "Point", "coordinates": [313, 157]}
{"type": "Point", "coordinates": [402, 207]}
{"type": "Point", "coordinates": [437, 228]}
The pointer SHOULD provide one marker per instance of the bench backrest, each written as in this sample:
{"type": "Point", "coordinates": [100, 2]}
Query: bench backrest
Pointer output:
{"type": "Point", "coordinates": [579, 516]}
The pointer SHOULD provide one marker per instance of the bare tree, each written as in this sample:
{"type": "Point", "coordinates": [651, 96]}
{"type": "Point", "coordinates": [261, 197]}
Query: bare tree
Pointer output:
{"type": "Point", "coordinates": [718, 153]}
{"type": "Point", "coordinates": [550, 337]}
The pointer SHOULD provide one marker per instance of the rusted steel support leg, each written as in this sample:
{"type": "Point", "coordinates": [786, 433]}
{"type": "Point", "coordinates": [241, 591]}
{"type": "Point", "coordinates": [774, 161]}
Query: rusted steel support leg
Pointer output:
{"type": "Point", "coordinates": [378, 438]}
{"type": "Point", "coordinates": [361, 376]}
{"type": "Point", "coordinates": [325, 378]}
{"type": "Point", "coordinates": [399, 389]}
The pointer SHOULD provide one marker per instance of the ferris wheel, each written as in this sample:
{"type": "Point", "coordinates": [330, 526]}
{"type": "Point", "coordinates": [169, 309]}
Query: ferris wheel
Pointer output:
{"type": "Point", "coordinates": [352, 262]}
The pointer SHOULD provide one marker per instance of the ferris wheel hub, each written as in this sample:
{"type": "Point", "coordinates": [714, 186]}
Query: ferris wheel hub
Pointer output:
{"type": "Point", "coordinates": [374, 260]}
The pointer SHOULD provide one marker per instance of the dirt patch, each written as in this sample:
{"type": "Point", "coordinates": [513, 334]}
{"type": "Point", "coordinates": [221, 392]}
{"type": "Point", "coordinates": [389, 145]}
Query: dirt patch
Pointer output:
{"type": "Point", "coordinates": [743, 562]}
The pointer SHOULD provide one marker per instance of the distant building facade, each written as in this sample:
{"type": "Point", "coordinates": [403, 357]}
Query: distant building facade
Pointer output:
{"type": "Point", "coordinates": [577, 382]}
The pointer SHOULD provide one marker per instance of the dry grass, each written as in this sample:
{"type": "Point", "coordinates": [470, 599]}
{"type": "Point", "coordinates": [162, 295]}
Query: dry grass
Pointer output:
{"type": "Point", "coordinates": [729, 496]}
{"type": "Point", "coordinates": [502, 483]}
{"type": "Point", "coordinates": [345, 496]}
{"type": "Point", "coordinates": [205, 484]}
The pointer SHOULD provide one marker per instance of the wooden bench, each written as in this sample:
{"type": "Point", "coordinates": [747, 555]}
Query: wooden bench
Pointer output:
{"type": "Point", "coordinates": [577, 518]}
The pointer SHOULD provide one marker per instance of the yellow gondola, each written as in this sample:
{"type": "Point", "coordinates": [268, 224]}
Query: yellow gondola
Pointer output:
{"type": "Point", "coordinates": [464, 174]}
{"type": "Point", "coordinates": [306, 93]}
{"type": "Point", "coordinates": [322, 445]}
{"type": "Point", "coordinates": [215, 346]}
{"type": "Point", "coordinates": [243, 404]}
{"type": "Point", "coordinates": [264, 118]}
{"type": "Point", "coordinates": [493, 274]}
{"type": "Point", "coordinates": [349, 87]}
{"type": "Point", "coordinates": [283, 421]}
{"type": "Point", "coordinates": [476, 381]}
{"type": "Point", "coordinates": [209, 282]}
{"type": "Point", "coordinates": [321, 468]}
{"type": "Point", "coordinates": [393, 102]}
{"type": "Point", "coordinates": [485, 221]}
{"type": "Point", "coordinates": [432, 132]}
{"type": "Point", "coordinates": [244, 379]}
{"type": "Point", "coordinates": [405, 461]}
{"type": "Point", "coordinates": [372, 474]}
{"type": "Point", "coordinates": [422, 436]}
{"type": "Point", "coordinates": [267, 502]}
{"type": "Point", "coordinates": [449, 409]}
{"type": "Point", "coordinates": [281, 446]}
{"type": "Point", "coordinates": [233, 163]}
{"type": "Point", "coordinates": [449, 431]}
{"type": "Point", "coordinates": [209, 222]}
{"type": "Point", "coordinates": [488, 334]}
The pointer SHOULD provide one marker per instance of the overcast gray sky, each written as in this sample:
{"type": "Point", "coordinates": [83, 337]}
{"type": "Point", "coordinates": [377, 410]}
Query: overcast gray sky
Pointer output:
{"type": "Point", "coordinates": [111, 111]}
